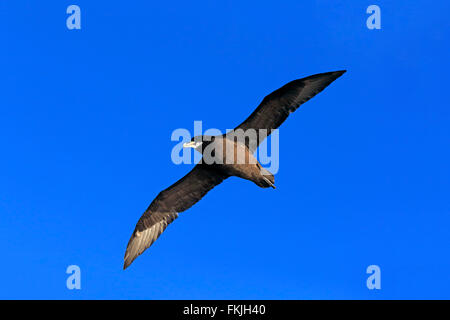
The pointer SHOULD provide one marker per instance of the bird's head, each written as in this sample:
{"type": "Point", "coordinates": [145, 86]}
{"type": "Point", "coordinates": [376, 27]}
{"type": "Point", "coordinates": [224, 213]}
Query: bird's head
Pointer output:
{"type": "Point", "coordinates": [196, 143]}
{"type": "Point", "coordinates": [199, 142]}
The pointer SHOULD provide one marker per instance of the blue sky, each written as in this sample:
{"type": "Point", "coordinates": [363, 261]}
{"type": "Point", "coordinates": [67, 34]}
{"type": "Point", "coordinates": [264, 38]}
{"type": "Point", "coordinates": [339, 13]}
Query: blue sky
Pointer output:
{"type": "Point", "coordinates": [85, 123]}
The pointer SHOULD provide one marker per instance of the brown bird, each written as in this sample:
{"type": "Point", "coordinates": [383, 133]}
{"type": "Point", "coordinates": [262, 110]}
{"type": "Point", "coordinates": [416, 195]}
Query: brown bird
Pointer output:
{"type": "Point", "coordinates": [223, 156]}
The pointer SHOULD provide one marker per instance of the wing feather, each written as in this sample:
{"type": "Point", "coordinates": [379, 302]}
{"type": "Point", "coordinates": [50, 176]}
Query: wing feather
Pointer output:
{"type": "Point", "coordinates": [276, 107]}
{"type": "Point", "coordinates": [165, 208]}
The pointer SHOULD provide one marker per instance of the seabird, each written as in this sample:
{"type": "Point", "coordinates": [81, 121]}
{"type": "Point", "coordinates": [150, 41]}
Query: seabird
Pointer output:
{"type": "Point", "coordinates": [207, 174]}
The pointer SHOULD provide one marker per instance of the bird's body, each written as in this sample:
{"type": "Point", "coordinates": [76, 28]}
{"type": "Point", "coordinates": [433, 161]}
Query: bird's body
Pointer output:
{"type": "Point", "coordinates": [224, 156]}
{"type": "Point", "coordinates": [233, 158]}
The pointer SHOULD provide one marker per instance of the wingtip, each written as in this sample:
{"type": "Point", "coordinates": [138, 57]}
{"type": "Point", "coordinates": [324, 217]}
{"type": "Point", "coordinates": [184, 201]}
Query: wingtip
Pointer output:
{"type": "Point", "coordinates": [339, 72]}
{"type": "Point", "coordinates": [126, 260]}
{"type": "Point", "coordinates": [333, 75]}
{"type": "Point", "coordinates": [126, 264]}
{"type": "Point", "coordinates": [330, 75]}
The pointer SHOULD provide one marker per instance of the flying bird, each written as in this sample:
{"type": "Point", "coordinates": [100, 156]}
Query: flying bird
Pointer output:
{"type": "Point", "coordinates": [207, 174]}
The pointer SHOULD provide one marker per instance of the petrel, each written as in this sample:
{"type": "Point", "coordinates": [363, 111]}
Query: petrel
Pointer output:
{"type": "Point", "coordinates": [217, 164]}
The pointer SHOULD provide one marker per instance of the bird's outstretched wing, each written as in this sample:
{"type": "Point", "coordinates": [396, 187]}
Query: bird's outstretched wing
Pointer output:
{"type": "Point", "coordinates": [277, 106]}
{"type": "Point", "coordinates": [165, 208]}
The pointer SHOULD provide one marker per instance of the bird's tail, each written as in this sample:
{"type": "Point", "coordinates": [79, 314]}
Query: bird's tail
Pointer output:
{"type": "Point", "coordinates": [268, 179]}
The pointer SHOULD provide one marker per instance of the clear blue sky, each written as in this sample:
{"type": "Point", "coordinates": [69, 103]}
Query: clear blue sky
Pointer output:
{"type": "Point", "coordinates": [85, 123]}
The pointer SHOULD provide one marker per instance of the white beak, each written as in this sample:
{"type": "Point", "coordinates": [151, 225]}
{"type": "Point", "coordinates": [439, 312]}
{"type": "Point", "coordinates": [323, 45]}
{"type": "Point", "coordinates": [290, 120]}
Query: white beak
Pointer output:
{"type": "Point", "coordinates": [192, 144]}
